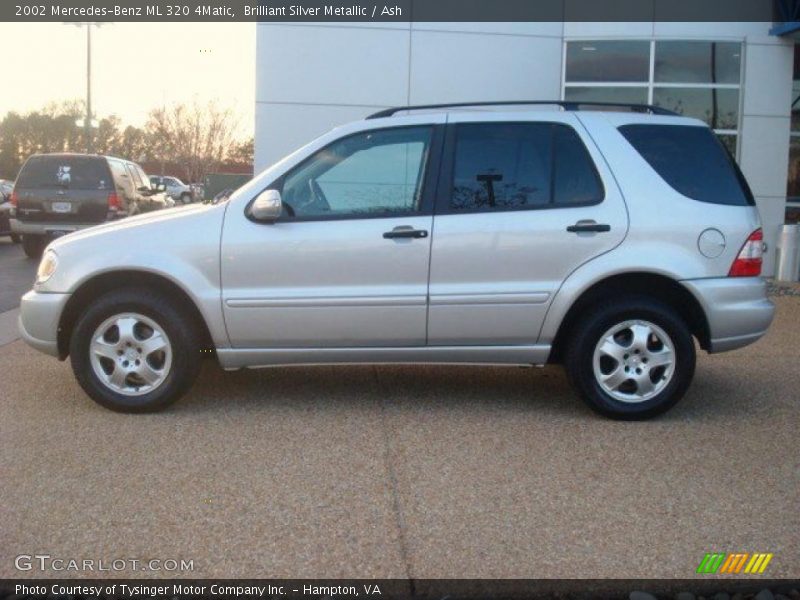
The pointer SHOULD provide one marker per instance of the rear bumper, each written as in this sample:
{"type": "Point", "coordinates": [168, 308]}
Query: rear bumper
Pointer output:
{"type": "Point", "coordinates": [46, 228]}
{"type": "Point", "coordinates": [737, 309]}
{"type": "Point", "coordinates": [39, 315]}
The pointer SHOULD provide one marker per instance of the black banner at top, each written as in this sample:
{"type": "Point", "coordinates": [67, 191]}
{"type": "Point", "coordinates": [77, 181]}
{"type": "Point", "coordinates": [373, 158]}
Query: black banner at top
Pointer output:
{"type": "Point", "coordinates": [387, 11]}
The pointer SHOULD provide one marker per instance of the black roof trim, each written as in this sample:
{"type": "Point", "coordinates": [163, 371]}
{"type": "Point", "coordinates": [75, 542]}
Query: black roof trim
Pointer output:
{"type": "Point", "coordinates": [565, 104]}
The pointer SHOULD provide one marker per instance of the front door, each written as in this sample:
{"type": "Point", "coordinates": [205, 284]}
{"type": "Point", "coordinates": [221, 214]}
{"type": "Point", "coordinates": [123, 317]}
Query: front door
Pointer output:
{"type": "Point", "coordinates": [523, 204]}
{"type": "Point", "coordinates": [347, 263]}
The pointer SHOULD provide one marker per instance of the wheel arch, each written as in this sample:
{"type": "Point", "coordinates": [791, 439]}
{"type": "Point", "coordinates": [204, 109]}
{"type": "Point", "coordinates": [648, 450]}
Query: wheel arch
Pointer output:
{"type": "Point", "coordinates": [658, 286]}
{"type": "Point", "coordinates": [111, 280]}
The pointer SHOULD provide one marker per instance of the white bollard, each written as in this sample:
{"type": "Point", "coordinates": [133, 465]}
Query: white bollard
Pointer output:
{"type": "Point", "coordinates": [788, 254]}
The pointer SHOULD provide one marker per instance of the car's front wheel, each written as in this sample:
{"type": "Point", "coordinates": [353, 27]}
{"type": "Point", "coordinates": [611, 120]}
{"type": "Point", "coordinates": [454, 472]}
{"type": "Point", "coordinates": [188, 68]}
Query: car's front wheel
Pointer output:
{"type": "Point", "coordinates": [133, 350]}
{"type": "Point", "coordinates": [630, 359]}
{"type": "Point", "coordinates": [186, 198]}
{"type": "Point", "coordinates": [16, 238]}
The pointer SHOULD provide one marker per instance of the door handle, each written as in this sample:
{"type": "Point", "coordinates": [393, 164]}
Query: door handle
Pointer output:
{"type": "Point", "coordinates": [588, 227]}
{"type": "Point", "coordinates": [405, 231]}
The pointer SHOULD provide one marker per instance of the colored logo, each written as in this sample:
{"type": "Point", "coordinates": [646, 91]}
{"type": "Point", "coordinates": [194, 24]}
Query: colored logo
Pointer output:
{"type": "Point", "coordinates": [735, 563]}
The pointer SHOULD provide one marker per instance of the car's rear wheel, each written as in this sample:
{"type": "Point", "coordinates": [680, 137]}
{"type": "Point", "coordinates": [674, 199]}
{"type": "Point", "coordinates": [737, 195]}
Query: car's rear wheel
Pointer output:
{"type": "Point", "coordinates": [33, 245]}
{"type": "Point", "coordinates": [631, 359]}
{"type": "Point", "coordinates": [133, 350]}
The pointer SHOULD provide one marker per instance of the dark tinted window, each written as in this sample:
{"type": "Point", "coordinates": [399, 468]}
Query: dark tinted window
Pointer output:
{"type": "Point", "coordinates": [74, 172]}
{"type": "Point", "coordinates": [575, 180]}
{"type": "Point", "coordinates": [521, 165]}
{"type": "Point", "coordinates": [692, 160]}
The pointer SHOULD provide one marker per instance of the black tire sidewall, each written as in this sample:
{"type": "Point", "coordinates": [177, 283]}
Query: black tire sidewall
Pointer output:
{"type": "Point", "coordinates": [581, 354]}
{"type": "Point", "coordinates": [33, 245]}
{"type": "Point", "coordinates": [183, 340]}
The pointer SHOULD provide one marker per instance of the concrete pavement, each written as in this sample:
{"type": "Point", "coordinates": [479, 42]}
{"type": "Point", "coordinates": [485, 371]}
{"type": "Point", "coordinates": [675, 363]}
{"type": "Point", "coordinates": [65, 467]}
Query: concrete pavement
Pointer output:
{"type": "Point", "coordinates": [406, 471]}
{"type": "Point", "coordinates": [17, 272]}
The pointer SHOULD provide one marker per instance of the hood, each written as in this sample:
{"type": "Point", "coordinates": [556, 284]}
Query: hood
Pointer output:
{"type": "Point", "coordinates": [141, 226]}
{"type": "Point", "coordinates": [178, 243]}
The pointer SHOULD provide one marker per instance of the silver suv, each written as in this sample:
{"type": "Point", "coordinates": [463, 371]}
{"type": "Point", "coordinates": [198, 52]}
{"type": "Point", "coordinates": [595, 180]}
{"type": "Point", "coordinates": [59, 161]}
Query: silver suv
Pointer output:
{"type": "Point", "coordinates": [606, 241]}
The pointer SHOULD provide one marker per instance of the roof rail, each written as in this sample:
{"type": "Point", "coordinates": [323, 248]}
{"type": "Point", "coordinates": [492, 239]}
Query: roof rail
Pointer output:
{"type": "Point", "coordinates": [565, 104]}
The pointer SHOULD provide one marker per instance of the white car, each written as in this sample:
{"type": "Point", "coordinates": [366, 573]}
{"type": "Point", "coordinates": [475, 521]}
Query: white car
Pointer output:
{"type": "Point", "coordinates": [181, 192]}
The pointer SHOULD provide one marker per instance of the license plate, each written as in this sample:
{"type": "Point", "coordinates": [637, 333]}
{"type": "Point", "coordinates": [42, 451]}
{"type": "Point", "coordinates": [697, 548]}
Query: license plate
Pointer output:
{"type": "Point", "coordinates": [62, 207]}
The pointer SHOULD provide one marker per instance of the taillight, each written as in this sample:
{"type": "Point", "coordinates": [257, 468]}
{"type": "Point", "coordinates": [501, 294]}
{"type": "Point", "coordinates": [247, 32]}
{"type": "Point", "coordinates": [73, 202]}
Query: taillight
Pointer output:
{"type": "Point", "coordinates": [113, 202]}
{"type": "Point", "coordinates": [14, 199]}
{"type": "Point", "coordinates": [748, 262]}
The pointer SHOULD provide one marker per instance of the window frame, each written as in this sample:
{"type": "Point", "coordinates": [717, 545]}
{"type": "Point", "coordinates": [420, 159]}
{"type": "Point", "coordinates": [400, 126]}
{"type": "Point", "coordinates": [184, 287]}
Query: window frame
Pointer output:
{"type": "Point", "coordinates": [430, 177]}
{"type": "Point", "coordinates": [445, 183]}
{"type": "Point", "coordinates": [651, 83]}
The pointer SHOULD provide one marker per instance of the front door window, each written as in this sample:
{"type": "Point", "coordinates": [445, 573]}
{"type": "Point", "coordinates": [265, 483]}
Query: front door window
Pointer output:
{"type": "Point", "coordinates": [374, 173]}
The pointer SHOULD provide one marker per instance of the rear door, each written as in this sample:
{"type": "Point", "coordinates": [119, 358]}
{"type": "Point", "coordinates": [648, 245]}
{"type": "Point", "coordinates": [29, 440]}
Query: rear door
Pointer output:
{"type": "Point", "coordinates": [64, 189]}
{"type": "Point", "coordinates": [521, 204]}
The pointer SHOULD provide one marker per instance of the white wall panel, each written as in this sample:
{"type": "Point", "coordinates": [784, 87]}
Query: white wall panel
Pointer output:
{"type": "Point", "coordinates": [768, 79]}
{"type": "Point", "coordinates": [764, 154]}
{"type": "Point", "coordinates": [283, 128]}
{"type": "Point", "coordinates": [453, 67]}
{"type": "Point", "coordinates": [330, 65]}
{"type": "Point", "coordinates": [541, 28]}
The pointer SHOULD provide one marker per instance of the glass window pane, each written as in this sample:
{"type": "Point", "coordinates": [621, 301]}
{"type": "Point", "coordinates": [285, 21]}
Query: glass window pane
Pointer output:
{"type": "Point", "coordinates": [698, 62]}
{"type": "Point", "coordinates": [612, 61]}
{"type": "Point", "coordinates": [501, 166]}
{"type": "Point", "coordinates": [575, 179]}
{"type": "Point", "coordinates": [618, 95]}
{"type": "Point", "coordinates": [729, 141]}
{"type": "Point", "coordinates": [692, 161]}
{"type": "Point", "coordinates": [368, 173]}
{"type": "Point", "coordinates": [717, 107]}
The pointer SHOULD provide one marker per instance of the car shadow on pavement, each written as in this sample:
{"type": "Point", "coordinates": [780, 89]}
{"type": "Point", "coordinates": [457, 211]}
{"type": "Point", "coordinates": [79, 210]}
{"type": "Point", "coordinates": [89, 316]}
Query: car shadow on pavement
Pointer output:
{"type": "Point", "coordinates": [436, 388]}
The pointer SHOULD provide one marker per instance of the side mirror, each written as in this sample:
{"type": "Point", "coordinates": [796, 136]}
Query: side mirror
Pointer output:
{"type": "Point", "coordinates": [267, 206]}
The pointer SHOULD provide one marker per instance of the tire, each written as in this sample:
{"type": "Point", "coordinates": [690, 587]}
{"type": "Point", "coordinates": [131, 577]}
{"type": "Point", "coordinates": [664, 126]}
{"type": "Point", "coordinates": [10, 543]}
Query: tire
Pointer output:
{"type": "Point", "coordinates": [186, 198]}
{"type": "Point", "coordinates": [33, 245]}
{"type": "Point", "coordinates": [612, 344]}
{"type": "Point", "coordinates": [138, 316]}
{"type": "Point", "coordinates": [16, 238]}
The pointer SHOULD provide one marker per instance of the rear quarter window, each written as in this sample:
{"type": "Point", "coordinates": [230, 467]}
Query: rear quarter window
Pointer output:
{"type": "Point", "coordinates": [70, 172]}
{"type": "Point", "coordinates": [692, 161]}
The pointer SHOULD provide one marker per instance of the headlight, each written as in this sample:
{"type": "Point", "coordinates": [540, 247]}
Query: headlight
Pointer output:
{"type": "Point", "coordinates": [47, 267]}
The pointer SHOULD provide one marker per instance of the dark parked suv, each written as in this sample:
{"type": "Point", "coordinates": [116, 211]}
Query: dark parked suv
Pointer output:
{"type": "Point", "coordinates": [56, 194]}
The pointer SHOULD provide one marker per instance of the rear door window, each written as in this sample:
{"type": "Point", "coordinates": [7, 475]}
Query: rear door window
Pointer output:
{"type": "Point", "coordinates": [692, 161]}
{"type": "Point", "coordinates": [66, 172]}
{"type": "Point", "coordinates": [518, 166]}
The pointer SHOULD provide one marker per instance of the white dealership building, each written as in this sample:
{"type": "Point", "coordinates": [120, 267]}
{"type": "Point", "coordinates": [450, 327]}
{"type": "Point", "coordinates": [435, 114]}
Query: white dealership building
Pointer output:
{"type": "Point", "coordinates": [738, 77]}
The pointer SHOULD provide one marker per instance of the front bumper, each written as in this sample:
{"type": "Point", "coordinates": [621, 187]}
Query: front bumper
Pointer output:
{"type": "Point", "coordinates": [39, 315]}
{"type": "Point", "coordinates": [737, 309]}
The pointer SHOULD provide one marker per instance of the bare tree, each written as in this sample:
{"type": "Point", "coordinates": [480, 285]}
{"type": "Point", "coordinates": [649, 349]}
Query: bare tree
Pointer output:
{"type": "Point", "coordinates": [199, 137]}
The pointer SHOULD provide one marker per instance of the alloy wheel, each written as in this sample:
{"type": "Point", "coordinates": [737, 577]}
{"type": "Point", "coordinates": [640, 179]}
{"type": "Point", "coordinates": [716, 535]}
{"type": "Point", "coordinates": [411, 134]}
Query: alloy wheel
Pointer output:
{"type": "Point", "coordinates": [130, 354]}
{"type": "Point", "coordinates": [634, 361]}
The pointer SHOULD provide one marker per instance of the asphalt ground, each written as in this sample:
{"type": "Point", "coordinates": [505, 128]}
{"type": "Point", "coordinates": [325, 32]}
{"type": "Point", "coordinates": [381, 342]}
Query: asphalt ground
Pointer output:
{"type": "Point", "coordinates": [17, 273]}
{"type": "Point", "coordinates": [408, 472]}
